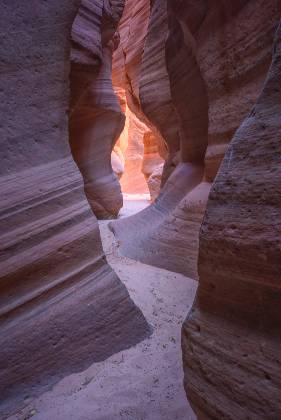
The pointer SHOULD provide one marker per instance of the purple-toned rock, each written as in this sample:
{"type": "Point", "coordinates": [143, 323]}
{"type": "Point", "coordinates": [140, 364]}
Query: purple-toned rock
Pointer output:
{"type": "Point", "coordinates": [231, 338]}
{"type": "Point", "coordinates": [62, 308]}
{"type": "Point", "coordinates": [96, 119]}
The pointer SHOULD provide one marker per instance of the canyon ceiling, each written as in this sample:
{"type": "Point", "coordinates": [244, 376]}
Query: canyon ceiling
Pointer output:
{"type": "Point", "coordinates": [200, 82]}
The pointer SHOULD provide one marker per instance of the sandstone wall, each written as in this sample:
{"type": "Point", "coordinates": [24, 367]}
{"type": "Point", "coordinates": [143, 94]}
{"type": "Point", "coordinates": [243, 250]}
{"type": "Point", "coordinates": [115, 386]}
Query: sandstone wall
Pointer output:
{"type": "Point", "coordinates": [61, 306]}
{"type": "Point", "coordinates": [127, 64]}
{"type": "Point", "coordinates": [96, 118]}
{"type": "Point", "coordinates": [133, 180]}
{"type": "Point", "coordinates": [231, 338]}
{"type": "Point", "coordinates": [198, 51]}
{"type": "Point", "coordinates": [32, 131]}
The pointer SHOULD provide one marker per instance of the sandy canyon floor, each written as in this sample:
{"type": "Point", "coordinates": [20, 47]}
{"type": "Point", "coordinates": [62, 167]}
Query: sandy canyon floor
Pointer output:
{"type": "Point", "coordinates": [144, 382]}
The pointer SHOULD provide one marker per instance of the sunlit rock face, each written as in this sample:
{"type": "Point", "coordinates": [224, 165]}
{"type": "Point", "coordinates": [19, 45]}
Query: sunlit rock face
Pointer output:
{"type": "Point", "coordinates": [196, 85]}
{"type": "Point", "coordinates": [61, 306]}
{"type": "Point", "coordinates": [127, 62]}
{"type": "Point", "coordinates": [135, 158]}
{"type": "Point", "coordinates": [128, 57]}
{"type": "Point", "coordinates": [153, 164]}
{"type": "Point", "coordinates": [154, 181]}
{"type": "Point", "coordinates": [133, 180]}
{"type": "Point", "coordinates": [231, 339]}
{"type": "Point", "coordinates": [150, 93]}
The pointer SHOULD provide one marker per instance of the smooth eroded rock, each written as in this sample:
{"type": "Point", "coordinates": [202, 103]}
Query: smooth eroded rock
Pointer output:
{"type": "Point", "coordinates": [61, 307]}
{"type": "Point", "coordinates": [231, 338]}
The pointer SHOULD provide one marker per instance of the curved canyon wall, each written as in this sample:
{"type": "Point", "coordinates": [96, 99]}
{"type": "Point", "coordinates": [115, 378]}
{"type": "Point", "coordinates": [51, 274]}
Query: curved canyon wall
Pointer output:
{"type": "Point", "coordinates": [96, 119]}
{"type": "Point", "coordinates": [231, 339]}
{"type": "Point", "coordinates": [191, 71]}
{"type": "Point", "coordinates": [193, 62]}
{"type": "Point", "coordinates": [133, 180]}
{"type": "Point", "coordinates": [61, 305]}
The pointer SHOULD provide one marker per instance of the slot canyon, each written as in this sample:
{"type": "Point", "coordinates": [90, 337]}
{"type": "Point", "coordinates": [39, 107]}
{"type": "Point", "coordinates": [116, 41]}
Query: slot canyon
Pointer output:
{"type": "Point", "coordinates": [140, 213]}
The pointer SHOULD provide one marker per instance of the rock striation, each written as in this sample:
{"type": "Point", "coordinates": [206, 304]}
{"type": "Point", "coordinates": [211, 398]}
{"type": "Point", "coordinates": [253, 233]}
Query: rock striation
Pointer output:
{"type": "Point", "coordinates": [61, 306]}
{"type": "Point", "coordinates": [133, 180]}
{"type": "Point", "coordinates": [96, 119]}
{"type": "Point", "coordinates": [194, 75]}
{"type": "Point", "coordinates": [154, 85]}
{"type": "Point", "coordinates": [190, 72]}
{"type": "Point", "coordinates": [127, 61]}
{"type": "Point", "coordinates": [153, 164]}
{"type": "Point", "coordinates": [181, 173]}
{"type": "Point", "coordinates": [231, 338]}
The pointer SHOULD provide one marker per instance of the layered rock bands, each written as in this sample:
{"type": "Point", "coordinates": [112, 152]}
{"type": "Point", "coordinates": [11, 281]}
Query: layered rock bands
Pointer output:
{"type": "Point", "coordinates": [194, 73]}
{"type": "Point", "coordinates": [231, 339]}
{"type": "Point", "coordinates": [202, 69]}
{"type": "Point", "coordinates": [61, 306]}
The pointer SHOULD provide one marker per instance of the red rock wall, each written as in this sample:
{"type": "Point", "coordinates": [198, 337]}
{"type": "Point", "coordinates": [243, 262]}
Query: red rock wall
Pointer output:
{"type": "Point", "coordinates": [133, 180]}
{"type": "Point", "coordinates": [128, 57]}
{"type": "Point", "coordinates": [155, 93]}
{"type": "Point", "coordinates": [61, 306]}
{"type": "Point", "coordinates": [127, 63]}
{"type": "Point", "coordinates": [231, 338]}
{"type": "Point", "coordinates": [156, 103]}
{"type": "Point", "coordinates": [198, 50]}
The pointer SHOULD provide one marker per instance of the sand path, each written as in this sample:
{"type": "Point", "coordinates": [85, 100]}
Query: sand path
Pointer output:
{"type": "Point", "coordinates": [144, 382]}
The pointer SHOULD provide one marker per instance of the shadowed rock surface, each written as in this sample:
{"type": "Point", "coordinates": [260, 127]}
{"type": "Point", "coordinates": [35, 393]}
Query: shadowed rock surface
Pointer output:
{"type": "Point", "coordinates": [211, 84]}
{"type": "Point", "coordinates": [154, 86]}
{"type": "Point", "coordinates": [61, 306]}
{"type": "Point", "coordinates": [127, 61]}
{"type": "Point", "coordinates": [191, 71]}
{"type": "Point", "coordinates": [155, 100]}
{"type": "Point", "coordinates": [231, 339]}
{"type": "Point", "coordinates": [144, 381]}
{"type": "Point", "coordinates": [96, 118]}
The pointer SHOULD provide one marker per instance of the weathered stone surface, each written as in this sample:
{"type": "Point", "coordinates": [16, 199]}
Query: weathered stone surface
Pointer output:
{"type": "Point", "coordinates": [191, 71]}
{"type": "Point", "coordinates": [138, 148]}
{"type": "Point", "coordinates": [159, 91]}
{"type": "Point", "coordinates": [194, 64]}
{"type": "Point", "coordinates": [133, 180]}
{"type": "Point", "coordinates": [128, 57]}
{"type": "Point", "coordinates": [188, 88]}
{"type": "Point", "coordinates": [127, 61]}
{"type": "Point", "coordinates": [136, 14]}
{"type": "Point", "coordinates": [96, 119]}
{"type": "Point", "coordinates": [154, 182]}
{"type": "Point", "coordinates": [156, 232]}
{"type": "Point", "coordinates": [117, 155]}
{"type": "Point", "coordinates": [152, 165]}
{"type": "Point", "coordinates": [231, 339]}
{"type": "Point", "coordinates": [61, 306]}
{"type": "Point", "coordinates": [117, 161]}
{"type": "Point", "coordinates": [151, 158]}
{"type": "Point", "coordinates": [233, 42]}
{"type": "Point", "coordinates": [155, 91]}
{"type": "Point", "coordinates": [21, 60]}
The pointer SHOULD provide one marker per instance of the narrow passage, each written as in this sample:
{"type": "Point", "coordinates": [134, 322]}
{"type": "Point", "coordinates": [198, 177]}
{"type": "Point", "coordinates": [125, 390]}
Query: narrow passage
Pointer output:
{"type": "Point", "coordinates": [144, 382]}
